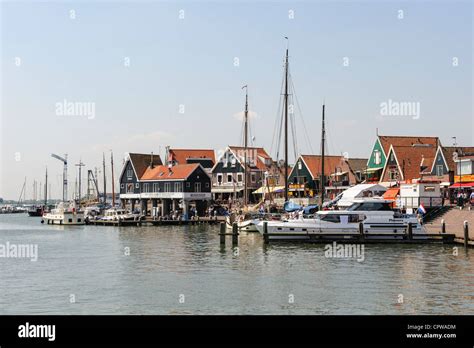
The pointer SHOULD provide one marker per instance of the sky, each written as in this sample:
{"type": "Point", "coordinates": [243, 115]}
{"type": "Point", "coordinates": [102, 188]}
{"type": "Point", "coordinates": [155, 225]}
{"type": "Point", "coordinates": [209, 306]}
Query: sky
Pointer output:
{"type": "Point", "coordinates": [171, 73]}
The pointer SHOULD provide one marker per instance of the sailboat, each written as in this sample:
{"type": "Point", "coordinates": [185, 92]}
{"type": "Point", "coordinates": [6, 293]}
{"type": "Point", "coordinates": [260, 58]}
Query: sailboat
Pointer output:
{"type": "Point", "coordinates": [39, 210]}
{"type": "Point", "coordinates": [249, 221]}
{"type": "Point", "coordinates": [246, 221]}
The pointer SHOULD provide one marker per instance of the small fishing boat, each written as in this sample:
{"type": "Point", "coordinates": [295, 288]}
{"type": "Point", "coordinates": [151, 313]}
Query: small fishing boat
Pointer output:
{"type": "Point", "coordinates": [36, 210]}
{"type": "Point", "coordinates": [117, 214]}
{"type": "Point", "coordinates": [65, 213]}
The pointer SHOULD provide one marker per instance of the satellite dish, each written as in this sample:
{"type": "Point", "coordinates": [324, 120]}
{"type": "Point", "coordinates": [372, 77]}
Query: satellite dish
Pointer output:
{"type": "Point", "coordinates": [281, 163]}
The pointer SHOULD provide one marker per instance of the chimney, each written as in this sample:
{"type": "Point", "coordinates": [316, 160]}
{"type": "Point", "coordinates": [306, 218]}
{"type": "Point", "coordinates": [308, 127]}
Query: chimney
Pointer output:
{"type": "Point", "coordinates": [151, 161]}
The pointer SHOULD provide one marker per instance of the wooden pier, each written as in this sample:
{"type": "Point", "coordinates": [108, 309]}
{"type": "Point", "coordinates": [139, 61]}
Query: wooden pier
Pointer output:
{"type": "Point", "coordinates": [154, 222]}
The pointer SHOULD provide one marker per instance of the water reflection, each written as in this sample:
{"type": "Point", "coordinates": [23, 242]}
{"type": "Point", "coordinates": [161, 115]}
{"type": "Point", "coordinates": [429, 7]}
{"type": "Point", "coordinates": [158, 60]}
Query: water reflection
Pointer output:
{"type": "Point", "coordinates": [133, 270]}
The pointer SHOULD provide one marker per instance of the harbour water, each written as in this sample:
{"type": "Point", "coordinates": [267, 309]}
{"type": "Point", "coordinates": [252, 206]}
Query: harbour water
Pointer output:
{"type": "Point", "coordinates": [184, 270]}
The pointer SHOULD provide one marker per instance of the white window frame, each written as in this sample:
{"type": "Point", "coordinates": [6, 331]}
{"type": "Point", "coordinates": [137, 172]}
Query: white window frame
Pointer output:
{"type": "Point", "coordinates": [377, 157]}
{"type": "Point", "coordinates": [167, 187]}
{"type": "Point", "coordinates": [221, 176]}
{"type": "Point", "coordinates": [231, 176]}
{"type": "Point", "coordinates": [439, 170]}
{"type": "Point", "coordinates": [197, 187]}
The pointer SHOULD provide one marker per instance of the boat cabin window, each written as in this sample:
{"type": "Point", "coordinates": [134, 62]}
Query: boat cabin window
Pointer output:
{"type": "Point", "coordinates": [342, 218]}
{"type": "Point", "coordinates": [370, 206]}
{"type": "Point", "coordinates": [331, 218]}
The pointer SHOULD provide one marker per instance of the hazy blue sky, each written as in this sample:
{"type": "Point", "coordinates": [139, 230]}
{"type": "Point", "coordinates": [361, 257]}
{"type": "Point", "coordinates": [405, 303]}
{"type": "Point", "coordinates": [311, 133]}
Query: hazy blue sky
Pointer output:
{"type": "Point", "coordinates": [190, 61]}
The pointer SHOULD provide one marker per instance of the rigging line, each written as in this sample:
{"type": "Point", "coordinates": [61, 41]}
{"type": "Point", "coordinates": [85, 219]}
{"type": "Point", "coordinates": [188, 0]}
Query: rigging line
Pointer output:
{"type": "Point", "coordinates": [294, 135]}
{"type": "Point", "coordinates": [307, 138]}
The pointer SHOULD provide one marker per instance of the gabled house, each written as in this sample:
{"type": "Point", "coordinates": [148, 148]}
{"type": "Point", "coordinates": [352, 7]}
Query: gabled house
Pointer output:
{"type": "Point", "coordinates": [378, 157]}
{"type": "Point", "coordinates": [304, 178]}
{"type": "Point", "coordinates": [133, 169]}
{"type": "Point", "coordinates": [174, 187]}
{"type": "Point", "coordinates": [407, 163]}
{"type": "Point", "coordinates": [228, 173]}
{"type": "Point", "coordinates": [444, 166]}
{"type": "Point", "coordinates": [162, 190]}
{"type": "Point", "coordinates": [205, 157]}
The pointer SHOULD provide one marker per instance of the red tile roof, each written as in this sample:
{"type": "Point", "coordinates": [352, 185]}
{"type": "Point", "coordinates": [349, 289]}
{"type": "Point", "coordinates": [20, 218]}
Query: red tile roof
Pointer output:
{"type": "Point", "coordinates": [410, 159]}
{"type": "Point", "coordinates": [177, 172]}
{"type": "Point", "coordinates": [182, 155]}
{"type": "Point", "coordinates": [331, 163]}
{"type": "Point", "coordinates": [141, 161]}
{"type": "Point", "coordinates": [387, 140]}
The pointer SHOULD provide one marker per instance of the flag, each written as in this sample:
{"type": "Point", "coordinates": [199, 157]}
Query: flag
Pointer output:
{"type": "Point", "coordinates": [422, 209]}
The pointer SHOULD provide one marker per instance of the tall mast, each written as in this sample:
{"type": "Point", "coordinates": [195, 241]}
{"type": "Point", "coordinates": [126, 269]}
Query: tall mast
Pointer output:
{"type": "Point", "coordinates": [245, 142]}
{"type": "Point", "coordinates": [286, 126]}
{"type": "Point", "coordinates": [105, 179]}
{"type": "Point", "coordinates": [323, 136]}
{"type": "Point", "coordinates": [79, 193]}
{"type": "Point", "coordinates": [46, 188]}
{"type": "Point", "coordinates": [113, 186]}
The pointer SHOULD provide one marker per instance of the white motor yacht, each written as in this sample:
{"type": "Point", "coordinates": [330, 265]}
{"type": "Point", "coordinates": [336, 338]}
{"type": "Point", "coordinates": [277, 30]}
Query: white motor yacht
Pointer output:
{"type": "Point", "coordinates": [379, 221]}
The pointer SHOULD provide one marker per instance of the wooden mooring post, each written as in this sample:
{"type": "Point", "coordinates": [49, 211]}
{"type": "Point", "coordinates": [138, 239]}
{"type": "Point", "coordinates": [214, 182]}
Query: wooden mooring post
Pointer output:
{"type": "Point", "coordinates": [443, 226]}
{"type": "Point", "coordinates": [235, 234]}
{"type": "Point", "coordinates": [466, 234]}
{"type": "Point", "coordinates": [361, 230]}
{"type": "Point", "coordinates": [222, 233]}
{"type": "Point", "coordinates": [410, 231]}
{"type": "Point", "coordinates": [265, 232]}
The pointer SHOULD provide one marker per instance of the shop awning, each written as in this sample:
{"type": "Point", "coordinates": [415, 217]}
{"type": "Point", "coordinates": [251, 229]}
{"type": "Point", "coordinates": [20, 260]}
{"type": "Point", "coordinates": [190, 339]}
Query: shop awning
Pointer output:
{"type": "Point", "coordinates": [266, 189]}
{"type": "Point", "coordinates": [462, 185]}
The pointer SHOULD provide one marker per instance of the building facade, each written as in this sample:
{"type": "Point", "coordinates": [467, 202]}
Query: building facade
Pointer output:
{"type": "Point", "coordinates": [164, 191]}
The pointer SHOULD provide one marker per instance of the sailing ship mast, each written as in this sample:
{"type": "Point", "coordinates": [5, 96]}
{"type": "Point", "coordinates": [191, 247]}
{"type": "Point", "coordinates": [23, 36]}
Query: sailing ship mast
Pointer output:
{"type": "Point", "coordinates": [286, 125]}
{"type": "Point", "coordinates": [46, 188]}
{"type": "Point", "coordinates": [321, 181]}
{"type": "Point", "coordinates": [113, 186]}
{"type": "Point", "coordinates": [245, 143]}
{"type": "Point", "coordinates": [105, 179]}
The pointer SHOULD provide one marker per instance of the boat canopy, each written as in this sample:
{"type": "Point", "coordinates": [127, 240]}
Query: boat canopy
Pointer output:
{"type": "Point", "coordinates": [291, 206]}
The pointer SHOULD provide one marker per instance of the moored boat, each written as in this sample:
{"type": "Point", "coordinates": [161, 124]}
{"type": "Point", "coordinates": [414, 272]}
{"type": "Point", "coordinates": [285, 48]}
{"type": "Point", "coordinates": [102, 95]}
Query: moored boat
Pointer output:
{"type": "Point", "coordinates": [64, 214]}
{"type": "Point", "coordinates": [117, 214]}
{"type": "Point", "coordinates": [379, 221]}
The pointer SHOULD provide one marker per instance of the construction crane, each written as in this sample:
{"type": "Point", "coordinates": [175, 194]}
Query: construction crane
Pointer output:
{"type": "Point", "coordinates": [64, 160]}
{"type": "Point", "coordinates": [91, 178]}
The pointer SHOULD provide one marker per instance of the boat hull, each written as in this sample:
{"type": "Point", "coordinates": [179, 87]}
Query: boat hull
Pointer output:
{"type": "Point", "coordinates": [64, 219]}
{"type": "Point", "coordinates": [310, 231]}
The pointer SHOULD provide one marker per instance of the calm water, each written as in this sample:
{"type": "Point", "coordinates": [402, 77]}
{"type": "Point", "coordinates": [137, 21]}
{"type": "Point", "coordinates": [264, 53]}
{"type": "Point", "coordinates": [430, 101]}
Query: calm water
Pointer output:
{"type": "Point", "coordinates": [167, 263]}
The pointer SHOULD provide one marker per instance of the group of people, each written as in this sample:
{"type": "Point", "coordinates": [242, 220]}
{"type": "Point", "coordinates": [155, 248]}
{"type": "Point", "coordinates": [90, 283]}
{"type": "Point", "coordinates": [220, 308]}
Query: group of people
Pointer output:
{"type": "Point", "coordinates": [463, 199]}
